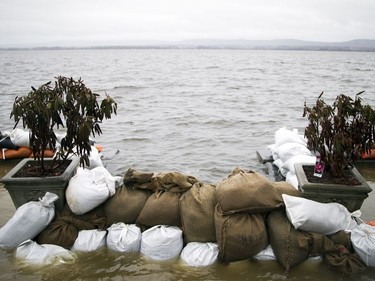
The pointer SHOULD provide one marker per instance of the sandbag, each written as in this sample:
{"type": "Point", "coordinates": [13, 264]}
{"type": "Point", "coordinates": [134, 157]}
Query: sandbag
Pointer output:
{"type": "Point", "coordinates": [288, 150]}
{"type": "Point", "coordinates": [90, 240]}
{"type": "Point", "coordinates": [251, 192]}
{"type": "Point", "coordinates": [161, 209]}
{"type": "Point", "coordinates": [197, 208]}
{"type": "Point", "coordinates": [284, 135]}
{"type": "Point", "coordinates": [20, 137]}
{"type": "Point", "coordinates": [126, 205]}
{"type": "Point", "coordinates": [200, 254]}
{"type": "Point", "coordinates": [88, 189]}
{"type": "Point", "coordinates": [94, 158]}
{"type": "Point", "coordinates": [292, 180]}
{"type": "Point", "coordinates": [289, 165]}
{"type": "Point", "coordinates": [363, 240]}
{"type": "Point", "coordinates": [173, 182]}
{"type": "Point", "coordinates": [124, 238]}
{"type": "Point", "coordinates": [266, 254]}
{"type": "Point", "coordinates": [162, 242]}
{"type": "Point", "coordinates": [28, 221]}
{"type": "Point", "coordinates": [43, 255]}
{"type": "Point", "coordinates": [139, 180]}
{"type": "Point", "coordinates": [324, 218]}
{"type": "Point", "coordinates": [279, 164]}
{"type": "Point", "coordinates": [284, 240]}
{"type": "Point", "coordinates": [336, 251]}
{"type": "Point", "coordinates": [166, 181]}
{"type": "Point", "coordinates": [64, 228]}
{"type": "Point", "coordinates": [239, 236]}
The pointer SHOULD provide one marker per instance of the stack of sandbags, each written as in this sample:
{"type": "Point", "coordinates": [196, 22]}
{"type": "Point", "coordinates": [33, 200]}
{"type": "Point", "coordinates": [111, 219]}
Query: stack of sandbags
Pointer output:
{"type": "Point", "coordinates": [293, 246]}
{"type": "Point", "coordinates": [243, 199]}
{"type": "Point", "coordinates": [290, 148]}
{"type": "Point", "coordinates": [307, 228]}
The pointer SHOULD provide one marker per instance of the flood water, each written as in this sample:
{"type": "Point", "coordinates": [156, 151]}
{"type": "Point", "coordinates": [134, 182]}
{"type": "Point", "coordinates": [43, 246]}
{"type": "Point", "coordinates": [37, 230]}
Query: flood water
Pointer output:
{"type": "Point", "coordinates": [200, 112]}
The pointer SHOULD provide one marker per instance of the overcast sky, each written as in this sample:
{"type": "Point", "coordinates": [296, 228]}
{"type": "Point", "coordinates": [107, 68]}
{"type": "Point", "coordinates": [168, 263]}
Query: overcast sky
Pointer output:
{"type": "Point", "coordinates": [43, 21]}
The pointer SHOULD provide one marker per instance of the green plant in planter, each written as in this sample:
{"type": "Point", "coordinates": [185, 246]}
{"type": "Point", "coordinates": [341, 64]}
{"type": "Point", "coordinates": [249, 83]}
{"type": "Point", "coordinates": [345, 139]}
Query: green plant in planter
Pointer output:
{"type": "Point", "coordinates": [66, 103]}
{"type": "Point", "coordinates": [340, 132]}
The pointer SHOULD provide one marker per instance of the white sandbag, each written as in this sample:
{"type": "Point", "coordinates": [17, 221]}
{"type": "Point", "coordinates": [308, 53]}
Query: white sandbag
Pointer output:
{"type": "Point", "coordinates": [272, 149]}
{"type": "Point", "coordinates": [124, 238]}
{"type": "Point", "coordinates": [324, 218]}
{"type": "Point", "coordinates": [95, 158]}
{"type": "Point", "coordinates": [288, 150]}
{"type": "Point", "coordinates": [162, 242]}
{"type": "Point", "coordinates": [284, 135]}
{"type": "Point", "coordinates": [20, 137]}
{"type": "Point", "coordinates": [88, 189]}
{"type": "Point", "coordinates": [28, 221]}
{"type": "Point", "coordinates": [90, 240]}
{"type": "Point", "coordinates": [292, 179]}
{"type": "Point", "coordinates": [200, 254]}
{"type": "Point", "coordinates": [45, 254]}
{"type": "Point", "coordinates": [266, 254]}
{"type": "Point", "coordinates": [279, 164]}
{"type": "Point", "coordinates": [363, 240]}
{"type": "Point", "coordinates": [306, 159]}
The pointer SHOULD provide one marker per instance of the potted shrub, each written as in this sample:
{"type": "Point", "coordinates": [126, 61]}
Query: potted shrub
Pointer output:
{"type": "Point", "coordinates": [67, 104]}
{"type": "Point", "coordinates": [340, 133]}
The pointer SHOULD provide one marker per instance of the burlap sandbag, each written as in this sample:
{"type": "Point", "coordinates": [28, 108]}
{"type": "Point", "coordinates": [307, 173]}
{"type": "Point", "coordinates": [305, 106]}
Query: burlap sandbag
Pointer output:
{"type": "Point", "coordinates": [345, 262]}
{"type": "Point", "coordinates": [197, 207]}
{"type": "Point", "coordinates": [173, 182]}
{"type": "Point", "coordinates": [166, 181]}
{"type": "Point", "coordinates": [284, 239]}
{"type": "Point", "coordinates": [63, 230]}
{"type": "Point", "coordinates": [136, 179]}
{"type": "Point", "coordinates": [337, 251]}
{"type": "Point", "coordinates": [161, 209]}
{"type": "Point", "coordinates": [251, 192]}
{"type": "Point", "coordinates": [126, 205]}
{"type": "Point", "coordinates": [239, 236]}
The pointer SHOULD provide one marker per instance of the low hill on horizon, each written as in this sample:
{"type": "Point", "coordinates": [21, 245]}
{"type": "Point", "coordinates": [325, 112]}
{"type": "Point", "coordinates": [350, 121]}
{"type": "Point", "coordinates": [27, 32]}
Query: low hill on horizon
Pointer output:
{"type": "Point", "coordinates": [277, 44]}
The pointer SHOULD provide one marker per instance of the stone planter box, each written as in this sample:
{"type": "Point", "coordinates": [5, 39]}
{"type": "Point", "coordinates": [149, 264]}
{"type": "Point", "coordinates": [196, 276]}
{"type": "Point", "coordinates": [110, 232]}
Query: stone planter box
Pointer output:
{"type": "Point", "coordinates": [351, 197]}
{"type": "Point", "coordinates": [23, 190]}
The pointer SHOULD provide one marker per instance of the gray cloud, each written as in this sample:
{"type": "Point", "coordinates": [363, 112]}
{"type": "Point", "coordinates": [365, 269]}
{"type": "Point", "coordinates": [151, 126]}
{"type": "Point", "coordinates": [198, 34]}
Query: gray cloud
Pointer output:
{"type": "Point", "coordinates": [41, 21]}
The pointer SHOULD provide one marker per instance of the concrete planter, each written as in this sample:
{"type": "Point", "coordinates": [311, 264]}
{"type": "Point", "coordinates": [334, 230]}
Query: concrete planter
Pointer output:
{"type": "Point", "coordinates": [351, 197]}
{"type": "Point", "coordinates": [23, 190]}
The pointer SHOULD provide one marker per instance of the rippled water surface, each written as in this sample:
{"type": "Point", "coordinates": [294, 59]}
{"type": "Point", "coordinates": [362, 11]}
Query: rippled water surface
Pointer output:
{"type": "Point", "coordinates": [200, 112]}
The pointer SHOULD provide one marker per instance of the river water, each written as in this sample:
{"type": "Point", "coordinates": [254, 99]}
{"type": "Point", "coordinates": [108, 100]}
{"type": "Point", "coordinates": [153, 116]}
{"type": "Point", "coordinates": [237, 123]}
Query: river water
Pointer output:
{"type": "Point", "coordinates": [200, 112]}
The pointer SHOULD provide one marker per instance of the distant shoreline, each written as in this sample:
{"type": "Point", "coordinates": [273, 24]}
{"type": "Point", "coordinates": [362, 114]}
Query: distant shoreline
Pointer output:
{"type": "Point", "coordinates": [201, 47]}
{"type": "Point", "coordinates": [358, 45]}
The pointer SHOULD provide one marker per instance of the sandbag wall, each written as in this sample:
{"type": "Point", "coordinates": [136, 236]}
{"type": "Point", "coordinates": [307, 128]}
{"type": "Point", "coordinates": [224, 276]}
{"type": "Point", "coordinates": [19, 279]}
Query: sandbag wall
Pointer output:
{"type": "Point", "coordinates": [243, 215]}
{"type": "Point", "coordinates": [204, 212]}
